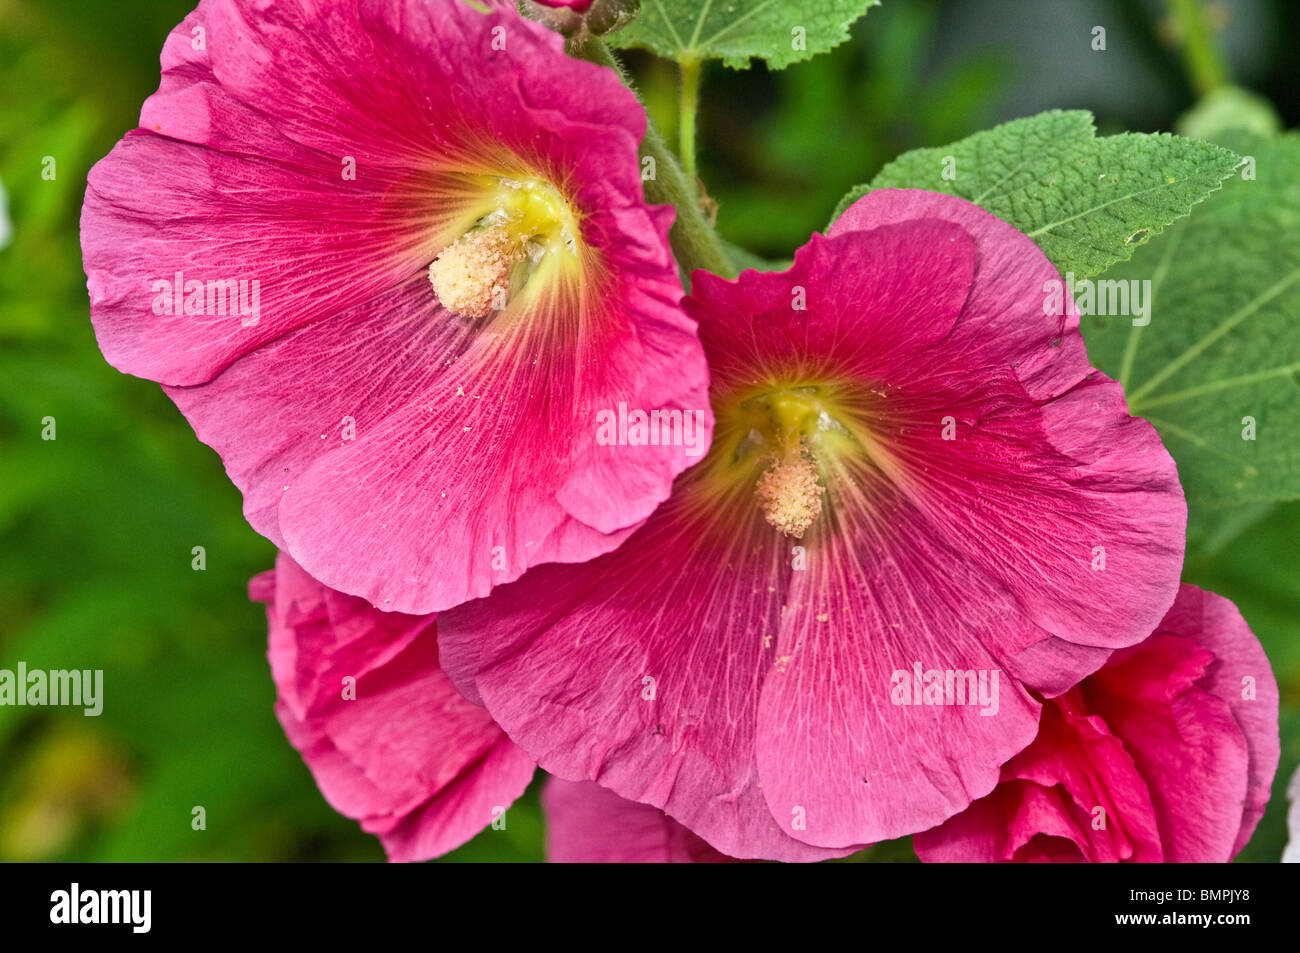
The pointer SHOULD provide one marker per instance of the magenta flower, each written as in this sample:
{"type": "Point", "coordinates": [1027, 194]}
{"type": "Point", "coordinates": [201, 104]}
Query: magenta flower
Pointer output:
{"type": "Point", "coordinates": [390, 742]}
{"type": "Point", "coordinates": [393, 261]}
{"type": "Point", "coordinates": [588, 824]}
{"type": "Point", "coordinates": [1165, 754]}
{"type": "Point", "coordinates": [921, 507]}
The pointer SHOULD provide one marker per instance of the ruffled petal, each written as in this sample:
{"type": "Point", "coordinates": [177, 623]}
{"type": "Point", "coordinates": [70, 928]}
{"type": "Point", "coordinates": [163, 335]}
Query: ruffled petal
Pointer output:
{"type": "Point", "coordinates": [641, 670]}
{"type": "Point", "coordinates": [1074, 793]}
{"type": "Point", "coordinates": [1242, 677]}
{"type": "Point", "coordinates": [1165, 754]}
{"type": "Point", "coordinates": [387, 737]}
{"type": "Point", "coordinates": [589, 824]}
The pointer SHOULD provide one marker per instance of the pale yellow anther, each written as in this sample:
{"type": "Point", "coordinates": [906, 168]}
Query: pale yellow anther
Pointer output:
{"type": "Point", "coordinates": [789, 494]}
{"type": "Point", "coordinates": [472, 275]}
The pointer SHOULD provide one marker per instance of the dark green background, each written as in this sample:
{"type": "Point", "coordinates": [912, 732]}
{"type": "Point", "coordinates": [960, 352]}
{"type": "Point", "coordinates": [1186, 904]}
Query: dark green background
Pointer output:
{"type": "Point", "coordinates": [97, 526]}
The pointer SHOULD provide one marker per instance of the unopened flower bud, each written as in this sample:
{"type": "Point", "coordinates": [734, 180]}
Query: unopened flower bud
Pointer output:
{"type": "Point", "coordinates": [583, 18]}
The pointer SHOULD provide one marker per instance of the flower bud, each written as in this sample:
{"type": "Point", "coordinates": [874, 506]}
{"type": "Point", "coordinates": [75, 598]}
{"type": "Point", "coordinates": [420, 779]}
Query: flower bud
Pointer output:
{"type": "Point", "coordinates": [583, 18]}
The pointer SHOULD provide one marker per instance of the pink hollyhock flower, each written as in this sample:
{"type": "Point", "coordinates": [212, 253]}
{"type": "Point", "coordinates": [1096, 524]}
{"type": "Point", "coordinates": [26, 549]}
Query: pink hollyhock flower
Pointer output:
{"type": "Point", "coordinates": [390, 742]}
{"type": "Point", "coordinates": [1166, 753]}
{"type": "Point", "coordinates": [392, 260]}
{"type": "Point", "coordinates": [921, 507]}
{"type": "Point", "coordinates": [588, 824]}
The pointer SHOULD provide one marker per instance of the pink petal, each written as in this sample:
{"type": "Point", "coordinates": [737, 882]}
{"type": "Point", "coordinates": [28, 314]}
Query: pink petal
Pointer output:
{"type": "Point", "coordinates": [1217, 624]}
{"type": "Point", "coordinates": [1064, 486]}
{"type": "Point", "coordinates": [406, 756]}
{"type": "Point", "coordinates": [644, 681]}
{"type": "Point", "coordinates": [1074, 784]}
{"type": "Point", "coordinates": [1187, 729]}
{"type": "Point", "coordinates": [1168, 738]}
{"type": "Point", "coordinates": [589, 824]}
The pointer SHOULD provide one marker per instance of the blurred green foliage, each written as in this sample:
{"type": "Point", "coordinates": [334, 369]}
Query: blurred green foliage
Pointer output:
{"type": "Point", "coordinates": [98, 525]}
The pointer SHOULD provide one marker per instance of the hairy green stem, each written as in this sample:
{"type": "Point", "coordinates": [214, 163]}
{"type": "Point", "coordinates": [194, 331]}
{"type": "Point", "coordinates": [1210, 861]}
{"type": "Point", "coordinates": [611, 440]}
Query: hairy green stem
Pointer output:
{"type": "Point", "coordinates": [690, 102]}
{"type": "Point", "coordinates": [1205, 66]}
{"type": "Point", "coordinates": [695, 243]}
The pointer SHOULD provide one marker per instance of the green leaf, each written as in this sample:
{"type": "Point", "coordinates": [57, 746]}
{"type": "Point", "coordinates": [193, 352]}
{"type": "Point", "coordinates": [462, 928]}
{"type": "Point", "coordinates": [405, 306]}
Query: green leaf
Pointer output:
{"type": "Point", "coordinates": [1221, 345]}
{"type": "Point", "coordinates": [778, 31]}
{"type": "Point", "coordinates": [1087, 202]}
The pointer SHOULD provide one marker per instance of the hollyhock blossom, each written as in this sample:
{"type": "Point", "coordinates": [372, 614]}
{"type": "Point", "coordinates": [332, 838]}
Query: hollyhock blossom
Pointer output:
{"type": "Point", "coordinates": [392, 259]}
{"type": "Point", "coordinates": [1166, 753]}
{"type": "Point", "coordinates": [589, 824]}
{"type": "Point", "coordinates": [921, 506]}
{"type": "Point", "coordinates": [389, 740]}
